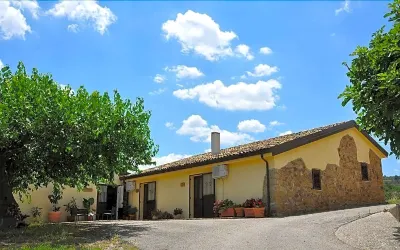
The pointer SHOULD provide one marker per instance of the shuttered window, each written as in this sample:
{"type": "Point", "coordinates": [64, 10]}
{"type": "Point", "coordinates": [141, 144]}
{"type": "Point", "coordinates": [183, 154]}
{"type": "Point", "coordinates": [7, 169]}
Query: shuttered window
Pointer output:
{"type": "Point", "coordinates": [151, 193]}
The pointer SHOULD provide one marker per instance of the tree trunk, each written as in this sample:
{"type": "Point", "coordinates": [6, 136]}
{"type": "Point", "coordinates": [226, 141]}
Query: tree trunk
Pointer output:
{"type": "Point", "coordinates": [6, 199]}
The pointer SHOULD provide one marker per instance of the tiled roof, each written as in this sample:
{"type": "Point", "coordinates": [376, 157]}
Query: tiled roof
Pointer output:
{"type": "Point", "coordinates": [280, 144]}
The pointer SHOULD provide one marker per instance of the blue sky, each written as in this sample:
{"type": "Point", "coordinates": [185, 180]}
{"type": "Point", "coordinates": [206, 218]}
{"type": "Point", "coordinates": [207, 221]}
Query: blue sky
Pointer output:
{"type": "Point", "coordinates": [251, 70]}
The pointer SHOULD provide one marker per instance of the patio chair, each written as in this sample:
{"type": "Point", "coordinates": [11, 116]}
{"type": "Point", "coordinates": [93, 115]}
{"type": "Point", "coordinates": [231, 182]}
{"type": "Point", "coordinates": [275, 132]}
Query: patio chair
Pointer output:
{"type": "Point", "coordinates": [110, 214]}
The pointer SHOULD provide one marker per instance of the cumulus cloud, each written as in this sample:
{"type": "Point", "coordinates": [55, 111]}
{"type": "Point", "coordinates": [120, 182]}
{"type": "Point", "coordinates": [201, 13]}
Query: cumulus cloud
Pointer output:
{"type": "Point", "coordinates": [286, 133]}
{"type": "Point", "coordinates": [241, 96]}
{"type": "Point", "coordinates": [12, 22]}
{"type": "Point", "coordinates": [29, 5]}
{"type": "Point", "coordinates": [244, 50]}
{"type": "Point", "coordinates": [73, 28]}
{"type": "Point", "coordinates": [199, 131]}
{"type": "Point", "coordinates": [345, 7]}
{"type": "Point", "coordinates": [263, 70]}
{"type": "Point", "coordinates": [275, 123]}
{"type": "Point", "coordinates": [85, 12]}
{"type": "Point", "coordinates": [265, 51]}
{"type": "Point", "coordinates": [252, 126]}
{"type": "Point", "coordinates": [183, 71]}
{"type": "Point", "coordinates": [159, 78]}
{"type": "Point", "coordinates": [161, 160]}
{"type": "Point", "coordinates": [200, 34]}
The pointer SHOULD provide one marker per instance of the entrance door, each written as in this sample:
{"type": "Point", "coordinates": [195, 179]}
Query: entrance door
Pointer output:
{"type": "Point", "coordinates": [149, 201]}
{"type": "Point", "coordinates": [204, 196]}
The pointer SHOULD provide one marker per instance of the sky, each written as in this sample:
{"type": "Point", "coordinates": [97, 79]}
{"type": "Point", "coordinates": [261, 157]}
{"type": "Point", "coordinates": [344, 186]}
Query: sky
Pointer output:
{"type": "Point", "coordinates": [250, 70]}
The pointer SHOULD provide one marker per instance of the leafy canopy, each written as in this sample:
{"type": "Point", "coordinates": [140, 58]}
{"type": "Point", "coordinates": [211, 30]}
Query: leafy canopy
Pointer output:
{"type": "Point", "coordinates": [52, 134]}
{"type": "Point", "coordinates": [374, 75]}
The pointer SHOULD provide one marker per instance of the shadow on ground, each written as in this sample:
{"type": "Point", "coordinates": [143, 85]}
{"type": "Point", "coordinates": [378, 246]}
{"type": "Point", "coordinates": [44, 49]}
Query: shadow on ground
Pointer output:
{"type": "Point", "coordinates": [68, 233]}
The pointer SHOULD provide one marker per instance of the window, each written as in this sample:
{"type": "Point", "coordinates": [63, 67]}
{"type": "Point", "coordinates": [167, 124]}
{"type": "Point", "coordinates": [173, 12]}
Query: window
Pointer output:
{"type": "Point", "coordinates": [103, 193]}
{"type": "Point", "coordinates": [151, 192]}
{"type": "Point", "coordinates": [208, 184]}
{"type": "Point", "coordinates": [364, 171]}
{"type": "Point", "coordinates": [316, 178]}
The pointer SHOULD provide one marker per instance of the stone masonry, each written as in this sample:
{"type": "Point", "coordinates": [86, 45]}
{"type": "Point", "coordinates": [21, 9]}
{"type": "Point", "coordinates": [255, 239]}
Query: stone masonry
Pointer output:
{"type": "Point", "coordinates": [341, 186]}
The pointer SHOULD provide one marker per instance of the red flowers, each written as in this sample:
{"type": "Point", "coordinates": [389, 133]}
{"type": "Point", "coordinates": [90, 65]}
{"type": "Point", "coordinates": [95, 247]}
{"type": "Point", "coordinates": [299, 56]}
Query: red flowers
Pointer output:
{"type": "Point", "coordinates": [250, 203]}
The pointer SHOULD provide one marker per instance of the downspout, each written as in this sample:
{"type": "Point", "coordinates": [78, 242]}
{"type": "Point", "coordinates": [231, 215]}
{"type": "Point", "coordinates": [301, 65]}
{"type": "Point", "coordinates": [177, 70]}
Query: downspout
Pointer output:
{"type": "Point", "coordinates": [268, 187]}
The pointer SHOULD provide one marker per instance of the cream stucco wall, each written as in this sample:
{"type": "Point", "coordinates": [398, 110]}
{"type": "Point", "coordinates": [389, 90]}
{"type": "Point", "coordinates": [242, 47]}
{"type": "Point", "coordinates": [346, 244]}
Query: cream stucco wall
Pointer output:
{"type": "Point", "coordinates": [325, 151]}
{"type": "Point", "coordinates": [39, 198]}
{"type": "Point", "coordinates": [245, 180]}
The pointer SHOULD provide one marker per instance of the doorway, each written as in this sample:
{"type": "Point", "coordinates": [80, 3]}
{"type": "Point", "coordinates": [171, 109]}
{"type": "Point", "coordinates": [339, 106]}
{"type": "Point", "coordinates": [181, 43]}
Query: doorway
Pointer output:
{"type": "Point", "coordinates": [203, 196]}
{"type": "Point", "coordinates": [149, 199]}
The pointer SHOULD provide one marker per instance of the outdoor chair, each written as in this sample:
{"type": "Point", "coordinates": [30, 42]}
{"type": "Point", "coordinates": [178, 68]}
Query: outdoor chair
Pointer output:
{"type": "Point", "coordinates": [110, 214]}
{"type": "Point", "coordinates": [81, 212]}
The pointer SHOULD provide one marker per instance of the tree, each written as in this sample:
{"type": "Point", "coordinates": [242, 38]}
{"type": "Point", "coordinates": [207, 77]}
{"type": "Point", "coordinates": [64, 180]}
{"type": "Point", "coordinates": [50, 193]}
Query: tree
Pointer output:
{"type": "Point", "coordinates": [52, 134]}
{"type": "Point", "coordinates": [374, 88]}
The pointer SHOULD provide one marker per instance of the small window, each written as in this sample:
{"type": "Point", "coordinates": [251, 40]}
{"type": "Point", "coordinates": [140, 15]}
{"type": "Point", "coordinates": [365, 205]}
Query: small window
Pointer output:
{"type": "Point", "coordinates": [316, 179]}
{"type": "Point", "coordinates": [364, 171]}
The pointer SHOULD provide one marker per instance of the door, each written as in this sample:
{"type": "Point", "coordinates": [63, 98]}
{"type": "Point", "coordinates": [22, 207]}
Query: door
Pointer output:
{"type": "Point", "coordinates": [149, 201]}
{"type": "Point", "coordinates": [198, 196]}
{"type": "Point", "coordinates": [204, 196]}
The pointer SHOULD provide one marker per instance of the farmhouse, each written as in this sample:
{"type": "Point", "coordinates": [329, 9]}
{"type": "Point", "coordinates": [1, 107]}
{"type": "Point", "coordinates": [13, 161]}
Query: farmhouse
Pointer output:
{"type": "Point", "coordinates": [331, 167]}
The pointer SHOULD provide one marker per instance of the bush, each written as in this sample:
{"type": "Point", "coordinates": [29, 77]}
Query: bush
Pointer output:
{"type": "Point", "coordinates": [166, 216]}
{"type": "Point", "coordinates": [220, 206]}
{"type": "Point", "coordinates": [178, 211]}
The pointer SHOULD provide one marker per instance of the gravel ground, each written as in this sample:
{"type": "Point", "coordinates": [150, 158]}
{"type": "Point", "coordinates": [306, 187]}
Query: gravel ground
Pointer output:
{"type": "Point", "coordinates": [313, 231]}
{"type": "Point", "coordinates": [378, 231]}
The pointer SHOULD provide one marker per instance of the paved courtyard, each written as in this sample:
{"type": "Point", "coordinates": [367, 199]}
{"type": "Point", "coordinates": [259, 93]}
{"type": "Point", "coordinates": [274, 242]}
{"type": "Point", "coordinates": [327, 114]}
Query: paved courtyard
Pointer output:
{"type": "Point", "coordinates": [312, 231]}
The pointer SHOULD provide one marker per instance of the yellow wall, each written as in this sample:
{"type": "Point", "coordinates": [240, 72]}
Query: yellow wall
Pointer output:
{"type": "Point", "coordinates": [39, 198]}
{"type": "Point", "coordinates": [325, 151]}
{"type": "Point", "coordinates": [245, 180]}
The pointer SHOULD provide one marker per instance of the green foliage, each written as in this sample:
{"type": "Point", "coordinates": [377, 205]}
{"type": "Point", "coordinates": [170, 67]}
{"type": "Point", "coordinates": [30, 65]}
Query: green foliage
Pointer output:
{"type": "Point", "coordinates": [374, 88]}
{"type": "Point", "coordinates": [87, 203]}
{"type": "Point", "coordinates": [55, 197]}
{"type": "Point", "coordinates": [53, 134]}
{"type": "Point", "coordinates": [36, 212]}
{"type": "Point", "coordinates": [178, 211]}
{"type": "Point", "coordinates": [71, 206]}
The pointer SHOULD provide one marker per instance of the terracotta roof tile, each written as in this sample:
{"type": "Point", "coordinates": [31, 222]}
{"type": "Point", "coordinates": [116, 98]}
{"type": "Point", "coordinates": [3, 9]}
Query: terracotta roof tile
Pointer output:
{"type": "Point", "coordinates": [241, 150]}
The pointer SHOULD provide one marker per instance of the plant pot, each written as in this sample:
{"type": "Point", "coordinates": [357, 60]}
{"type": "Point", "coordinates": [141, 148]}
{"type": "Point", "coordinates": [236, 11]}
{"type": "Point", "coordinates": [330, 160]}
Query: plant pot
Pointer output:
{"type": "Point", "coordinates": [54, 217]}
{"type": "Point", "coordinates": [229, 212]}
{"type": "Point", "coordinates": [90, 217]}
{"type": "Point", "coordinates": [70, 218]}
{"type": "Point", "coordinates": [178, 216]}
{"type": "Point", "coordinates": [259, 212]}
{"type": "Point", "coordinates": [248, 212]}
{"type": "Point", "coordinates": [239, 211]}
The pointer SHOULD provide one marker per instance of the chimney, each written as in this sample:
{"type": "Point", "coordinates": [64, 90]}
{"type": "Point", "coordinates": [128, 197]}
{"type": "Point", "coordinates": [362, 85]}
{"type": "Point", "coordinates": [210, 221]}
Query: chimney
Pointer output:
{"type": "Point", "coordinates": [215, 143]}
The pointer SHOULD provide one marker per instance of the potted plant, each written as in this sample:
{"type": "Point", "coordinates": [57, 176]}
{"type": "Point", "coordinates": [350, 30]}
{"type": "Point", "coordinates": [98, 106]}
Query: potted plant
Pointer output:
{"type": "Point", "coordinates": [239, 212]}
{"type": "Point", "coordinates": [178, 213]}
{"type": "Point", "coordinates": [224, 208]}
{"type": "Point", "coordinates": [156, 214]}
{"type": "Point", "coordinates": [87, 203]}
{"type": "Point", "coordinates": [132, 212]}
{"type": "Point", "coordinates": [259, 208]}
{"type": "Point", "coordinates": [248, 208]}
{"type": "Point", "coordinates": [55, 214]}
{"type": "Point", "coordinates": [166, 216]}
{"type": "Point", "coordinates": [36, 213]}
{"type": "Point", "coordinates": [72, 209]}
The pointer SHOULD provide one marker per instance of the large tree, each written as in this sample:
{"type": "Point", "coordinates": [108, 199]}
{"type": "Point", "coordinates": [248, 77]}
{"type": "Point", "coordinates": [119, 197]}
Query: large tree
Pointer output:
{"type": "Point", "coordinates": [52, 134]}
{"type": "Point", "coordinates": [374, 88]}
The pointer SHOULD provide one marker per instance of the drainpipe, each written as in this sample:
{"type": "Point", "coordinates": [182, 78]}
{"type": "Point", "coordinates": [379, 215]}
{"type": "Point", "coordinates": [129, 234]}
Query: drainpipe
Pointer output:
{"type": "Point", "coordinates": [268, 186]}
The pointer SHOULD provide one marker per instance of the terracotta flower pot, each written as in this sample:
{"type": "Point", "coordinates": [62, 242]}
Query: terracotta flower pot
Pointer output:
{"type": "Point", "coordinates": [54, 216]}
{"type": "Point", "coordinates": [229, 212]}
{"type": "Point", "coordinates": [259, 212]}
{"type": "Point", "coordinates": [248, 212]}
{"type": "Point", "coordinates": [239, 211]}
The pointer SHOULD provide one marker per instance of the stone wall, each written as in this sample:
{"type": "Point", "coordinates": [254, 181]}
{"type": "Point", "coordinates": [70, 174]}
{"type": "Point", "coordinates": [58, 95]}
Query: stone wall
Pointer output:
{"type": "Point", "coordinates": [341, 186]}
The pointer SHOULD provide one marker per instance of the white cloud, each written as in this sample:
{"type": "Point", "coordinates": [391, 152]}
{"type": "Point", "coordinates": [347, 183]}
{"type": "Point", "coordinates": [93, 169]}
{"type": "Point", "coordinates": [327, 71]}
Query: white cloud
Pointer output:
{"type": "Point", "coordinates": [240, 96]}
{"type": "Point", "coordinates": [183, 71]}
{"type": "Point", "coordinates": [263, 70]}
{"type": "Point", "coordinates": [169, 125]}
{"type": "Point", "coordinates": [275, 123]}
{"type": "Point", "coordinates": [200, 34]}
{"type": "Point", "coordinates": [286, 133]}
{"type": "Point", "coordinates": [265, 51]}
{"type": "Point", "coordinates": [243, 77]}
{"type": "Point", "coordinates": [159, 78]}
{"type": "Point", "coordinates": [1, 64]}
{"type": "Point", "coordinates": [179, 85]}
{"type": "Point", "coordinates": [244, 50]}
{"type": "Point", "coordinates": [30, 5]}
{"type": "Point", "coordinates": [12, 21]}
{"type": "Point", "coordinates": [158, 91]}
{"type": "Point", "coordinates": [199, 131]}
{"type": "Point", "coordinates": [89, 12]}
{"type": "Point", "coordinates": [73, 28]}
{"type": "Point", "coordinates": [253, 126]}
{"type": "Point", "coordinates": [345, 7]}
{"type": "Point", "coordinates": [164, 160]}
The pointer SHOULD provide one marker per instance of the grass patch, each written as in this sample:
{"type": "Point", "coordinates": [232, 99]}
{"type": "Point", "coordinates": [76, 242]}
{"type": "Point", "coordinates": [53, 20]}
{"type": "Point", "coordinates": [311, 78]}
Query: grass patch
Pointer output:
{"type": "Point", "coordinates": [392, 192]}
{"type": "Point", "coordinates": [63, 237]}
